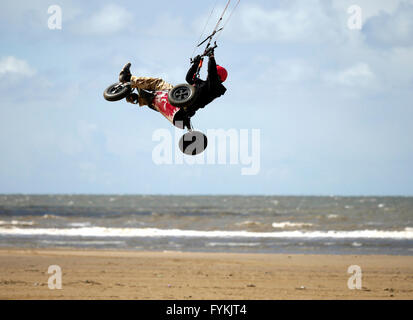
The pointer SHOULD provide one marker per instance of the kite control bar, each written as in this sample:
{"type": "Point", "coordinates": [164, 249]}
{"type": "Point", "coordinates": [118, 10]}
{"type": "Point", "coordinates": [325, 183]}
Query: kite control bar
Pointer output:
{"type": "Point", "coordinates": [207, 51]}
{"type": "Point", "coordinates": [208, 48]}
{"type": "Point", "coordinates": [210, 37]}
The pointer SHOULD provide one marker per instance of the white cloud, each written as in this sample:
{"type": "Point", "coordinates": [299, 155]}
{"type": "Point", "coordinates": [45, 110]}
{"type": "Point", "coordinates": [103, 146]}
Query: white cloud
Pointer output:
{"type": "Point", "coordinates": [317, 21]}
{"type": "Point", "coordinates": [359, 75]}
{"type": "Point", "coordinates": [317, 49]}
{"type": "Point", "coordinates": [293, 21]}
{"type": "Point", "coordinates": [392, 29]}
{"type": "Point", "coordinates": [109, 20]}
{"type": "Point", "coordinates": [396, 68]}
{"type": "Point", "coordinates": [13, 66]}
{"type": "Point", "coordinates": [370, 8]}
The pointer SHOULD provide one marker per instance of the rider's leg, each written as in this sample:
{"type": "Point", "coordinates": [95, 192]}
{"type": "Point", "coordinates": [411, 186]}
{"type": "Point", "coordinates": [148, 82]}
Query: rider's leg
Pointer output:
{"type": "Point", "coordinates": [182, 120]}
{"type": "Point", "coordinates": [146, 97]}
{"type": "Point", "coordinates": [138, 99]}
{"type": "Point", "coordinates": [145, 83]}
{"type": "Point", "coordinates": [150, 84]}
{"type": "Point", "coordinates": [125, 75]}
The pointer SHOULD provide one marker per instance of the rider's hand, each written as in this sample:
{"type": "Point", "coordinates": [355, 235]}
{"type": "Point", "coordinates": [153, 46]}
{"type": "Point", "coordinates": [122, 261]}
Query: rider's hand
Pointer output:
{"type": "Point", "coordinates": [197, 59]}
{"type": "Point", "coordinates": [132, 98]}
{"type": "Point", "coordinates": [210, 52]}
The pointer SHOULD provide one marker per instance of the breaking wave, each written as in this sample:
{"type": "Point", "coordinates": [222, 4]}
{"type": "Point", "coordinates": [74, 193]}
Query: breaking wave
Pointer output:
{"type": "Point", "coordinates": [406, 234]}
{"type": "Point", "coordinates": [282, 225]}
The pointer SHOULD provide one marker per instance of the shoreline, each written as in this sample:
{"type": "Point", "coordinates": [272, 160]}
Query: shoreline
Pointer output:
{"type": "Point", "coordinates": [110, 274]}
{"type": "Point", "coordinates": [126, 251]}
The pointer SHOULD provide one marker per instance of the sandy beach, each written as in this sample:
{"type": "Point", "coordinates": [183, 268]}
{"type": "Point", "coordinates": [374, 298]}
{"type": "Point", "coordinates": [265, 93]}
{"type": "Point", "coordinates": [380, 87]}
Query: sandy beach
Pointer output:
{"type": "Point", "coordinates": [92, 274]}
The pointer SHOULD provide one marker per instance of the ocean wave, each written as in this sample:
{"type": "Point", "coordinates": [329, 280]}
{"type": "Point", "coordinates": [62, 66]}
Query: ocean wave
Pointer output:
{"type": "Point", "coordinates": [76, 243]}
{"type": "Point", "coordinates": [288, 224]}
{"type": "Point", "coordinates": [233, 244]}
{"type": "Point", "coordinates": [153, 232]}
{"type": "Point", "coordinates": [51, 216]}
{"type": "Point", "coordinates": [16, 223]}
{"type": "Point", "coordinates": [79, 224]}
{"type": "Point", "coordinates": [249, 224]}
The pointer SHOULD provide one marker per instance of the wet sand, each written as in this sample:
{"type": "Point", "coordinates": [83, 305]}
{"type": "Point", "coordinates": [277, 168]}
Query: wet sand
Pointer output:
{"type": "Point", "coordinates": [93, 274]}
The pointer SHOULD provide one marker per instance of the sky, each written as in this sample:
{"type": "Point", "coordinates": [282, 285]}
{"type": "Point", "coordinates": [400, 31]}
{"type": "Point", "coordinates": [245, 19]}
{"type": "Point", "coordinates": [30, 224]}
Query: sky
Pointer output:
{"type": "Point", "coordinates": [333, 105]}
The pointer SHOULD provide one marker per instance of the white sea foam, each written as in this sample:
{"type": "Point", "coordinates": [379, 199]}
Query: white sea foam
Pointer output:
{"type": "Point", "coordinates": [79, 224]}
{"type": "Point", "coordinates": [152, 232]}
{"type": "Point", "coordinates": [16, 223]}
{"type": "Point", "coordinates": [288, 224]}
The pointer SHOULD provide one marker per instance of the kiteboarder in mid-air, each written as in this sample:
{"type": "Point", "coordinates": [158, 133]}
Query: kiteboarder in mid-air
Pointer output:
{"type": "Point", "coordinates": [207, 90]}
{"type": "Point", "coordinates": [177, 103]}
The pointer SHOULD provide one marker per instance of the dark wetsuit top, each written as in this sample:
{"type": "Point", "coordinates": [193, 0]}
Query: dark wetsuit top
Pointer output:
{"type": "Point", "coordinates": [207, 90]}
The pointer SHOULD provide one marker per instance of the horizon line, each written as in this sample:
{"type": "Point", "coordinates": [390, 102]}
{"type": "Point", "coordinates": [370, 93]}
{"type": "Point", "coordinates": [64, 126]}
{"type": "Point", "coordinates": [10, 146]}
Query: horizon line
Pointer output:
{"type": "Point", "coordinates": [213, 195]}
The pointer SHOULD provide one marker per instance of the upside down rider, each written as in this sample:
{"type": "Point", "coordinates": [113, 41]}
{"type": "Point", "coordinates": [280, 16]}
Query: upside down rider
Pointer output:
{"type": "Point", "coordinates": [207, 90]}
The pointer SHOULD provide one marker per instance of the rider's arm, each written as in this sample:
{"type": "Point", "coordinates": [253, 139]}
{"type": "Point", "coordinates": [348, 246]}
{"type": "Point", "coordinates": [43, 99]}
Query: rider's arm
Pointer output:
{"type": "Point", "coordinates": [192, 71]}
{"type": "Point", "coordinates": [213, 78]}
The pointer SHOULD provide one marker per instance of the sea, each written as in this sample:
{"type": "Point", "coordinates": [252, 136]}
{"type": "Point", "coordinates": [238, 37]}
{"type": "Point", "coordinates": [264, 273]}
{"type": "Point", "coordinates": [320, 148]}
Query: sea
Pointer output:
{"type": "Point", "coordinates": [233, 224]}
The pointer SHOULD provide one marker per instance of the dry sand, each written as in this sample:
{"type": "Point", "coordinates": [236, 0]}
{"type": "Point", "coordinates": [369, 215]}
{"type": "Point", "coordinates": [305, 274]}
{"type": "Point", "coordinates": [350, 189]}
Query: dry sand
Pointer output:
{"type": "Point", "coordinates": [89, 274]}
